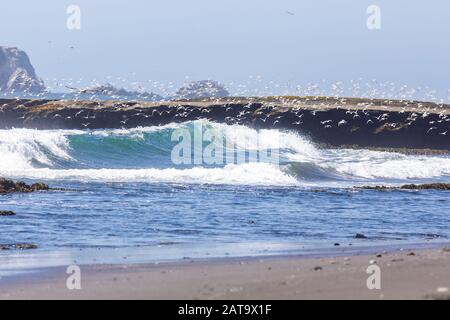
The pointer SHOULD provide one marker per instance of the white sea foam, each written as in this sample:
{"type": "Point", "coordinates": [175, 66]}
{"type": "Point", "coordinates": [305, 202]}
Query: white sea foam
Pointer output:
{"type": "Point", "coordinates": [249, 138]}
{"type": "Point", "coordinates": [19, 148]}
{"type": "Point", "coordinates": [243, 174]}
{"type": "Point", "coordinates": [406, 168]}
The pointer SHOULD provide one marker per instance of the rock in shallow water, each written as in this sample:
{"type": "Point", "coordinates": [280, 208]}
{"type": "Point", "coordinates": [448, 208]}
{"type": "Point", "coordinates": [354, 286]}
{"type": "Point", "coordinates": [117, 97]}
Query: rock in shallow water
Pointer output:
{"type": "Point", "coordinates": [6, 213]}
{"type": "Point", "coordinates": [18, 246]}
{"type": "Point", "coordinates": [429, 186]}
{"type": "Point", "coordinates": [9, 186]}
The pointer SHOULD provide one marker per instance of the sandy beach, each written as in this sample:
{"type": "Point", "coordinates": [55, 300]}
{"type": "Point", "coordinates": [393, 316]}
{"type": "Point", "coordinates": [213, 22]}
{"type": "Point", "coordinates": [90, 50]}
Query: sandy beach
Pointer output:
{"type": "Point", "coordinates": [405, 274]}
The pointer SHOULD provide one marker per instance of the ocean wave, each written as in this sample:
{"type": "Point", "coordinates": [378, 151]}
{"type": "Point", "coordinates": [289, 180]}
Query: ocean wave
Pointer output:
{"type": "Point", "coordinates": [144, 155]}
{"type": "Point", "coordinates": [25, 148]}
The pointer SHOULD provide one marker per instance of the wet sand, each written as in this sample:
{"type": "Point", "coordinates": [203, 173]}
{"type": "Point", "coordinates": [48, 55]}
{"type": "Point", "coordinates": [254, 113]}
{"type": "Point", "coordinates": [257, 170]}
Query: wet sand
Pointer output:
{"type": "Point", "coordinates": [407, 274]}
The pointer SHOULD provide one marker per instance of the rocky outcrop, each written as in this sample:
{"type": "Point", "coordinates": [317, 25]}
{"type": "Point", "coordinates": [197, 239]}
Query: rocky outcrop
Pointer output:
{"type": "Point", "coordinates": [202, 90]}
{"type": "Point", "coordinates": [9, 186]}
{"type": "Point", "coordinates": [18, 246]}
{"type": "Point", "coordinates": [109, 90]}
{"type": "Point", "coordinates": [17, 74]}
{"type": "Point", "coordinates": [429, 186]}
{"type": "Point", "coordinates": [6, 213]}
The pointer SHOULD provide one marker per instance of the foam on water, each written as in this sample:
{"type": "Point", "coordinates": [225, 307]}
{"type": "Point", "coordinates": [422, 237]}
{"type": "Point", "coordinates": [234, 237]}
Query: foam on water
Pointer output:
{"type": "Point", "coordinates": [21, 148]}
{"type": "Point", "coordinates": [248, 173]}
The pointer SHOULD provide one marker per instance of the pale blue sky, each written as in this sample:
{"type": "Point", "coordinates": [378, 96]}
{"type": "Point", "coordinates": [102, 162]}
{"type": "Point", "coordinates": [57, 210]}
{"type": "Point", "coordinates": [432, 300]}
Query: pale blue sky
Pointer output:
{"type": "Point", "coordinates": [231, 40]}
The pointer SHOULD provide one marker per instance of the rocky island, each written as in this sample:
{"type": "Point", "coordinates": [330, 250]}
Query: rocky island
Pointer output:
{"type": "Point", "coordinates": [108, 90]}
{"type": "Point", "coordinates": [204, 89]}
{"type": "Point", "coordinates": [17, 74]}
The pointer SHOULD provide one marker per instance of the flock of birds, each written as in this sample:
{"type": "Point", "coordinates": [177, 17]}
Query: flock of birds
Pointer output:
{"type": "Point", "coordinates": [384, 95]}
{"type": "Point", "coordinates": [254, 86]}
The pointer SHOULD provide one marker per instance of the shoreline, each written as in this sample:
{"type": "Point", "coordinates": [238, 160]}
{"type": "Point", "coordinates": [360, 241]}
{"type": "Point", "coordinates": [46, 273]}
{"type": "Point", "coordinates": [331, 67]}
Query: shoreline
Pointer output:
{"type": "Point", "coordinates": [18, 262]}
{"type": "Point", "coordinates": [407, 274]}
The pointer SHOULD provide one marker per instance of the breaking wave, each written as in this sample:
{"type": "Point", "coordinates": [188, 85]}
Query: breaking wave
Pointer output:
{"type": "Point", "coordinates": [144, 155]}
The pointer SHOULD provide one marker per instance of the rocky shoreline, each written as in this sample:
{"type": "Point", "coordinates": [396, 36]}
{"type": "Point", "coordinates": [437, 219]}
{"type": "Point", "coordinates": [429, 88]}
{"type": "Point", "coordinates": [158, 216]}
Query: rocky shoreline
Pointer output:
{"type": "Point", "coordinates": [335, 122]}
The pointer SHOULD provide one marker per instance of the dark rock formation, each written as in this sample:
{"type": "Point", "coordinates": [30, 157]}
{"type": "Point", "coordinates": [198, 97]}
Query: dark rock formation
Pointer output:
{"type": "Point", "coordinates": [17, 74]}
{"type": "Point", "coordinates": [429, 186]}
{"type": "Point", "coordinates": [360, 236]}
{"type": "Point", "coordinates": [202, 90]}
{"type": "Point", "coordinates": [108, 90]}
{"type": "Point", "coordinates": [4, 213]}
{"type": "Point", "coordinates": [18, 246]}
{"type": "Point", "coordinates": [9, 186]}
{"type": "Point", "coordinates": [360, 123]}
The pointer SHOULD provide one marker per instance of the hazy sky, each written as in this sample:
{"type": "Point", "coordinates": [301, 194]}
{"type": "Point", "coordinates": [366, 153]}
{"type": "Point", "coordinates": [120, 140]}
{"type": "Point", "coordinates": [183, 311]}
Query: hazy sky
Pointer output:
{"type": "Point", "coordinates": [290, 42]}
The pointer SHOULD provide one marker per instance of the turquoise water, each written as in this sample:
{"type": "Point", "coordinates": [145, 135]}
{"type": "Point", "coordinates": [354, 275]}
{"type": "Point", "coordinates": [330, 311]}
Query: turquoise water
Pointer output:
{"type": "Point", "coordinates": [126, 196]}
